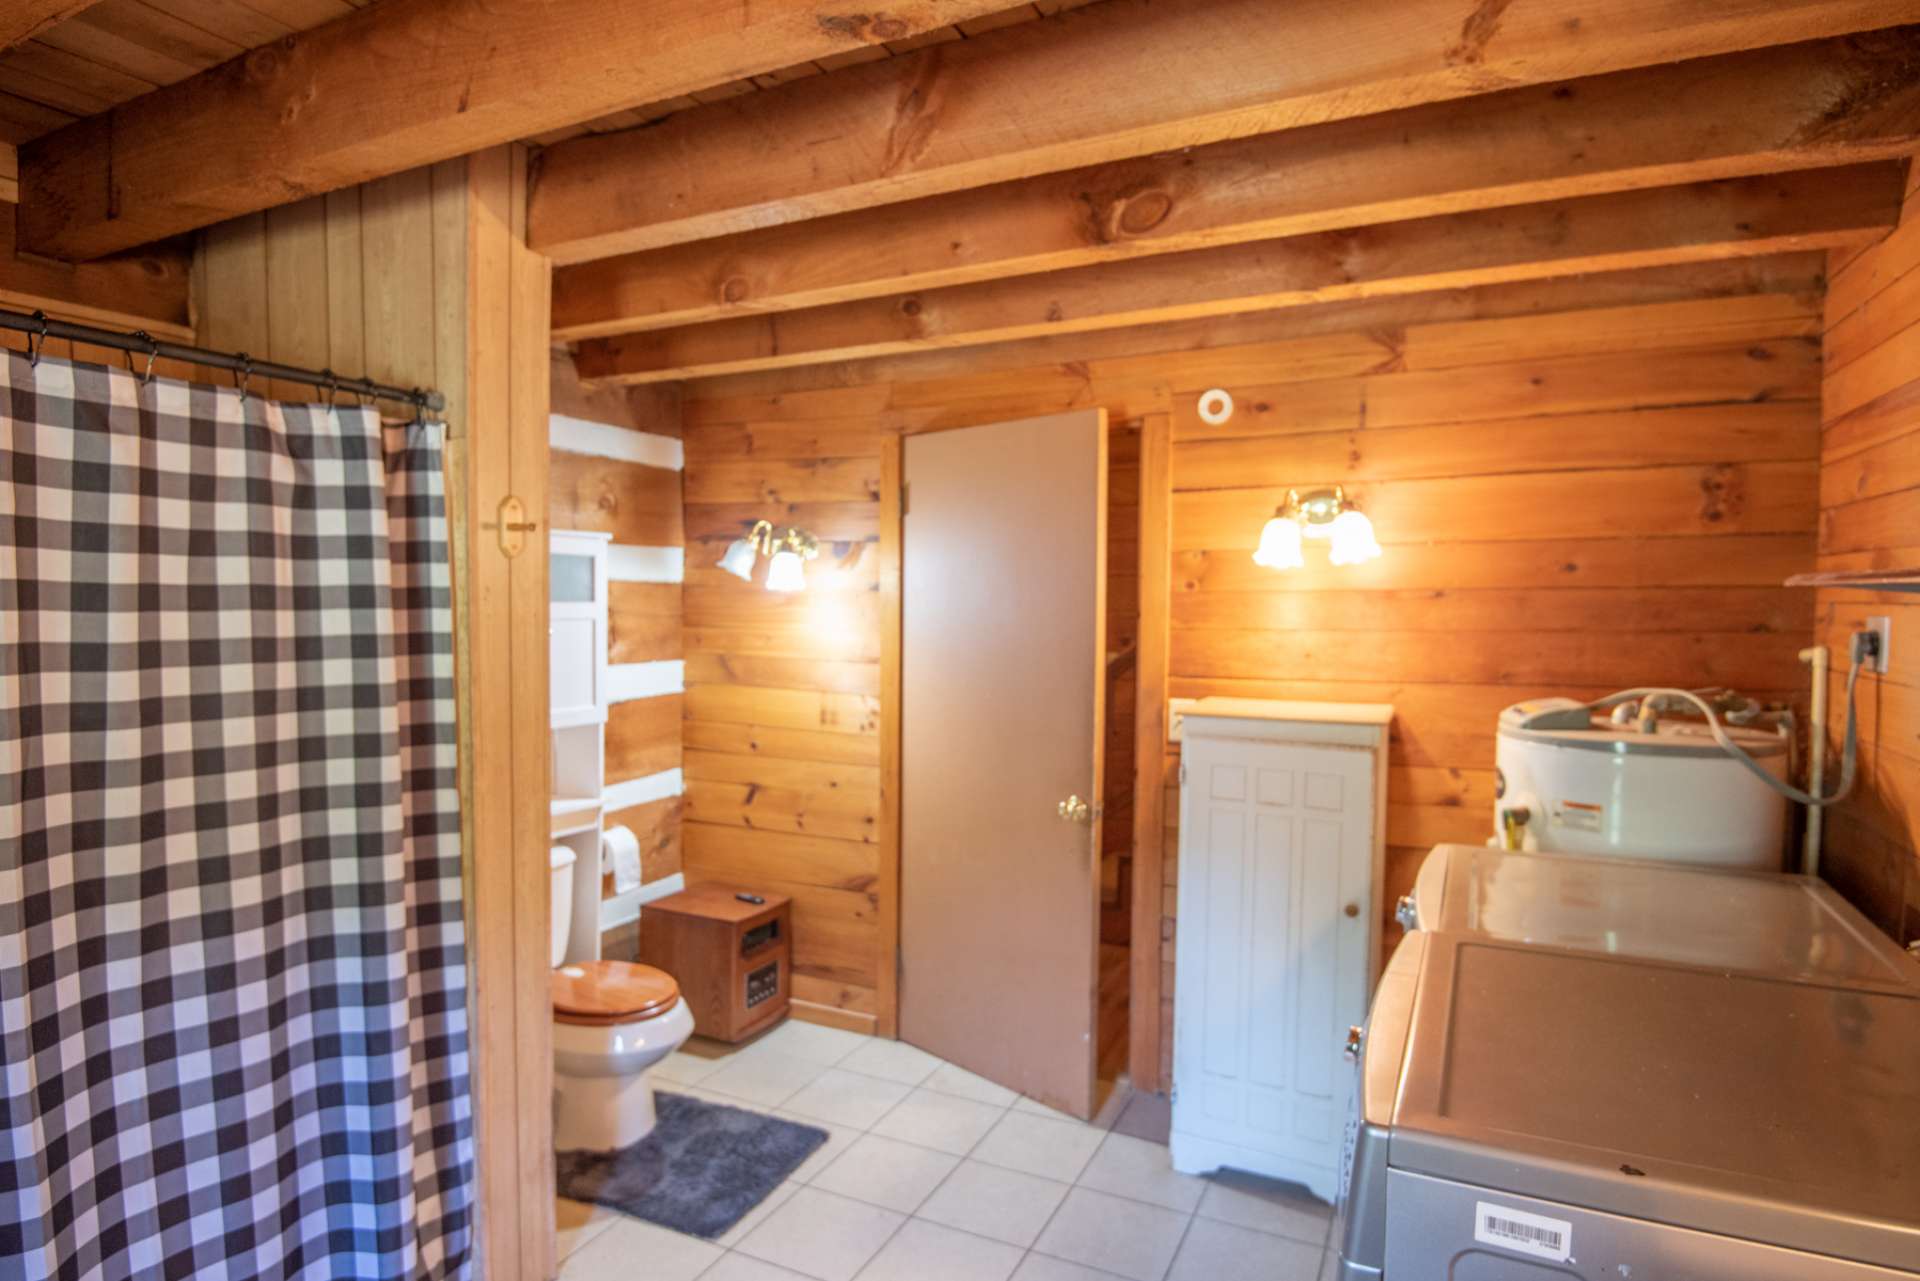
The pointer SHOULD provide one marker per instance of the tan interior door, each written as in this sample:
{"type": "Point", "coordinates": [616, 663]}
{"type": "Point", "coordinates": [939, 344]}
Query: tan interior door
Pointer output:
{"type": "Point", "coordinates": [1003, 594]}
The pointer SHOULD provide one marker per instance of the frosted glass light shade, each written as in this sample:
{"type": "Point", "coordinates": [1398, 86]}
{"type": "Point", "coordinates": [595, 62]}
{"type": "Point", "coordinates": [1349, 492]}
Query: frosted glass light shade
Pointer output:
{"type": "Point", "coordinates": [785, 574]}
{"type": "Point", "coordinates": [738, 559]}
{"type": "Point", "coordinates": [1352, 539]}
{"type": "Point", "coordinates": [1280, 545]}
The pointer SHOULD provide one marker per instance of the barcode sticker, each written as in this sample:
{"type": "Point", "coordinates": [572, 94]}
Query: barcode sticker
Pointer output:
{"type": "Point", "coordinates": [1522, 1231]}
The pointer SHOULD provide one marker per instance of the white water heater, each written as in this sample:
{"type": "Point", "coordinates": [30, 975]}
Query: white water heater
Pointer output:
{"type": "Point", "coordinates": [1574, 784]}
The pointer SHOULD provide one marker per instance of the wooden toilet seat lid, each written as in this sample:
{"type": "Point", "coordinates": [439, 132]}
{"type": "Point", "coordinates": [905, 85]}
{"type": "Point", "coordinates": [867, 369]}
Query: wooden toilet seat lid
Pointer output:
{"type": "Point", "coordinates": [600, 993]}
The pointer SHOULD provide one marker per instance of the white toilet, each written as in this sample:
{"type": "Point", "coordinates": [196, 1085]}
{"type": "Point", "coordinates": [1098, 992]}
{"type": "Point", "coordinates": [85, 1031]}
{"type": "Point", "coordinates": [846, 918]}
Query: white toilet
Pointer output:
{"type": "Point", "coordinates": [612, 1021]}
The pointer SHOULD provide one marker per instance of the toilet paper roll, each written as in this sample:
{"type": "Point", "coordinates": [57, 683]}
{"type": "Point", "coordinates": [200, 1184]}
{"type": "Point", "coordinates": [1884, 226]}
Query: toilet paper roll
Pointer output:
{"type": "Point", "coordinates": [620, 850]}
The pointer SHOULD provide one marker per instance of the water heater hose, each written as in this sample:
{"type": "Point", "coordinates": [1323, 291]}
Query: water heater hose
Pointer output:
{"type": "Point", "coordinates": [1849, 750]}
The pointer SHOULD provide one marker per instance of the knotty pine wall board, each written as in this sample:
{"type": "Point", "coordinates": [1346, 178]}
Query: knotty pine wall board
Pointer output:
{"type": "Point", "coordinates": [1870, 519]}
{"type": "Point", "coordinates": [1571, 501]}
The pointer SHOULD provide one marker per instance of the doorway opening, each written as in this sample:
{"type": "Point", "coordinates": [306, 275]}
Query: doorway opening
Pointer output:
{"type": "Point", "coordinates": [1116, 832]}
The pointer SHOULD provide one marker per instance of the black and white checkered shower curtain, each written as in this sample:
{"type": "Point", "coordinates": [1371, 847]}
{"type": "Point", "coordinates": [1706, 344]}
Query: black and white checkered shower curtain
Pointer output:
{"type": "Point", "coordinates": [233, 1024]}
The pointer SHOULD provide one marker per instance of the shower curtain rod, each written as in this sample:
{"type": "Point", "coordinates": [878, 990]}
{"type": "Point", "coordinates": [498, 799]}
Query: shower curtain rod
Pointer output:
{"type": "Point", "coordinates": [41, 328]}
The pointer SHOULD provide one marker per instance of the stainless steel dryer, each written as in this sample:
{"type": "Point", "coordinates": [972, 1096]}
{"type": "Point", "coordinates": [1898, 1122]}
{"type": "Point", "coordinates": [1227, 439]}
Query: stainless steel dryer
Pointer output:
{"type": "Point", "coordinates": [1640, 1072]}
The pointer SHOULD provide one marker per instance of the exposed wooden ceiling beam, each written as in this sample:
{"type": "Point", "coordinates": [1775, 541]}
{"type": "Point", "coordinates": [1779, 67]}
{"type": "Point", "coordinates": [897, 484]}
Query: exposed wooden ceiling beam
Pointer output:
{"type": "Point", "coordinates": [22, 20]}
{"type": "Point", "coordinates": [1114, 80]}
{"type": "Point", "coordinates": [145, 290]}
{"type": "Point", "coordinates": [1826, 102]}
{"type": "Point", "coordinates": [402, 84]}
{"type": "Point", "coordinates": [1110, 353]}
{"type": "Point", "coordinates": [1741, 217]}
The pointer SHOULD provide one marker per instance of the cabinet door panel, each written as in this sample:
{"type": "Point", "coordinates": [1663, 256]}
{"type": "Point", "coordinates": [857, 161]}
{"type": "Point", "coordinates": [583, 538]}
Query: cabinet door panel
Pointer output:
{"type": "Point", "coordinates": [1271, 966]}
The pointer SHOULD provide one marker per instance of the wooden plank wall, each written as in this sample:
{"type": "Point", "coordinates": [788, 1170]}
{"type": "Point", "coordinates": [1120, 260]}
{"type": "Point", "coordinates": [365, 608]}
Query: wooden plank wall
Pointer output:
{"type": "Point", "coordinates": [1870, 519]}
{"type": "Point", "coordinates": [1571, 502]}
{"type": "Point", "coordinates": [369, 279]}
{"type": "Point", "coordinates": [634, 497]}
{"type": "Point", "coordinates": [782, 704]}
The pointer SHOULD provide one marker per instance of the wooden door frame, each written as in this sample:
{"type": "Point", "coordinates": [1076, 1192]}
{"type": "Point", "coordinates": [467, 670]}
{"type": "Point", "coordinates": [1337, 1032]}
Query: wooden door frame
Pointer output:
{"type": "Point", "coordinates": [893, 447]}
{"type": "Point", "coordinates": [1144, 942]}
{"type": "Point", "coordinates": [1150, 734]}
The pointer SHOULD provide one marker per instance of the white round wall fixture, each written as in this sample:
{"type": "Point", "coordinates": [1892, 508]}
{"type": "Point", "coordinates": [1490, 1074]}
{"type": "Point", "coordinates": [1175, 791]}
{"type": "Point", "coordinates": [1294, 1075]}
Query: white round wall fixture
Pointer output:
{"type": "Point", "coordinates": [1216, 406]}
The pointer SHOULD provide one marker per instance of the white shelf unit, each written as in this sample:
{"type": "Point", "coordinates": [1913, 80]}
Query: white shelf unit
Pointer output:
{"type": "Point", "coordinates": [577, 655]}
{"type": "Point", "coordinates": [1282, 853]}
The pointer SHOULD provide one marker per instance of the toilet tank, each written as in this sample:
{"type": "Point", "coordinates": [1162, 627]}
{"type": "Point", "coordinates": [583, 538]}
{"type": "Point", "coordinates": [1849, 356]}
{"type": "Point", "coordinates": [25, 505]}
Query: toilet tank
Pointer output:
{"type": "Point", "coordinates": [561, 859]}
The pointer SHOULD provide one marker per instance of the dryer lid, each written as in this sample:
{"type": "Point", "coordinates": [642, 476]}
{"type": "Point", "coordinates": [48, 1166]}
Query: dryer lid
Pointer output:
{"type": "Point", "coordinates": [604, 992]}
{"type": "Point", "coordinates": [1749, 1105]}
{"type": "Point", "coordinates": [1753, 922]}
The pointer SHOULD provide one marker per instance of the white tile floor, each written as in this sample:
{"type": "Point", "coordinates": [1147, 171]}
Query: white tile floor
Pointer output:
{"type": "Point", "coordinates": [931, 1173]}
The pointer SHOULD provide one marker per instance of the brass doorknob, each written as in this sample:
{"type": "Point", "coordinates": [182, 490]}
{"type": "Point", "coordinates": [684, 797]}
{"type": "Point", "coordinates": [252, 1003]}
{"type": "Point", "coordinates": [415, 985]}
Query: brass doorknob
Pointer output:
{"type": "Point", "coordinates": [1075, 810]}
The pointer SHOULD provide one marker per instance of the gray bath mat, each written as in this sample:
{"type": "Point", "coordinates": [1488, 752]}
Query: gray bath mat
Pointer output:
{"type": "Point", "coordinates": [703, 1167]}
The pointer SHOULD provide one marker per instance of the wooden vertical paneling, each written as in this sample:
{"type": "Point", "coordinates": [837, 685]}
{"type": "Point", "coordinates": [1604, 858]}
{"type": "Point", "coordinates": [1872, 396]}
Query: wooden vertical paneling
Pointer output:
{"type": "Point", "coordinates": [296, 251]}
{"type": "Point", "coordinates": [230, 289]}
{"type": "Point", "coordinates": [1571, 502]}
{"type": "Point", "coordinates": [1870, 519]}
{"type": "Point", "coordinates": [346, 324]}
{"type": "Point", "coordinates": [396, 246]}
{"type": "Point", "coordinates": [452, 246]}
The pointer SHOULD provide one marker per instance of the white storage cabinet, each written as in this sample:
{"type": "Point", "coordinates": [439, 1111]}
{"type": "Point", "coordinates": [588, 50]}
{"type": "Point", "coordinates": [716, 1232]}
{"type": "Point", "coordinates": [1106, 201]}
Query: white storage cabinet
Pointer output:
{"type": "Point", "coordinates": [577, 654]}
{"type": "Point", "coordinates": [1282, 844]}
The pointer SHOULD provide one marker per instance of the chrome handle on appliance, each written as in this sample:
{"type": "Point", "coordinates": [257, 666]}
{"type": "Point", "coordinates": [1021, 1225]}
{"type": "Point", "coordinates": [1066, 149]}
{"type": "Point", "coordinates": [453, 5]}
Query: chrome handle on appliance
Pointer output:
{"type": "Point", "coordinates": [1406, 913]}
{"type": "Point", "coordinates": [1356, 1037]}
{"type": "Point", "coordinates": [1075, 810]}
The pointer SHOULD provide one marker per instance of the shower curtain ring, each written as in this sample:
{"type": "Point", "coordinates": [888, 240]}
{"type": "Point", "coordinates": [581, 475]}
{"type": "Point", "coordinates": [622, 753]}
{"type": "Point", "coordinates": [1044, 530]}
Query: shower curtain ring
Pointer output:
{"type": "Point", "coordinates": [419, 399]}
{"type": "Point", "coordinates": [37, 341]}
{"type": "Point", "coordinates": [243, 375]}
{"type": "Point", "coordinates": [331, 381]}
{"type": "Point", "coordinates": [153, 350]}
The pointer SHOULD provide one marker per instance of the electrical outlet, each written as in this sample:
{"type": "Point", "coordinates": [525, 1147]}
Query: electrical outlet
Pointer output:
{"type": "Point", "coordinates": [1882, 626]}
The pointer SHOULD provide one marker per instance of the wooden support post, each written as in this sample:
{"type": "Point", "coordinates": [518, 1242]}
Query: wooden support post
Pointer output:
{"type": "Point", "coordinates": [507, 622]}
{"type": "Point", "coordinates": [1150, 747]}
{"type": "Point", "coordinates": [892, 510]}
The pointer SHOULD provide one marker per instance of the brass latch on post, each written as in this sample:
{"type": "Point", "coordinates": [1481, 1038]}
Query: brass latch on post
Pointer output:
{"type": "Point", "coordinates": [513, 526]}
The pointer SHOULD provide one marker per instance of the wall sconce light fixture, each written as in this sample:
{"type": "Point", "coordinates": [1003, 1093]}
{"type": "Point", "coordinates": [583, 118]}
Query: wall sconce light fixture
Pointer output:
{"type": "Point", "coordinates": [1322, 514]}
{"type": "Point", "coordinates": [785, 550]}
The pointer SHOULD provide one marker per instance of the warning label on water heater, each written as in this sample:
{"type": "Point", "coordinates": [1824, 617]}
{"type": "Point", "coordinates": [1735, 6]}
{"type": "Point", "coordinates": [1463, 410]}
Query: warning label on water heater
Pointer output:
{"type": "Point", "coordinates": [1521, 1231]}
{"type": "Point", "coordinates": [1578, 815]}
